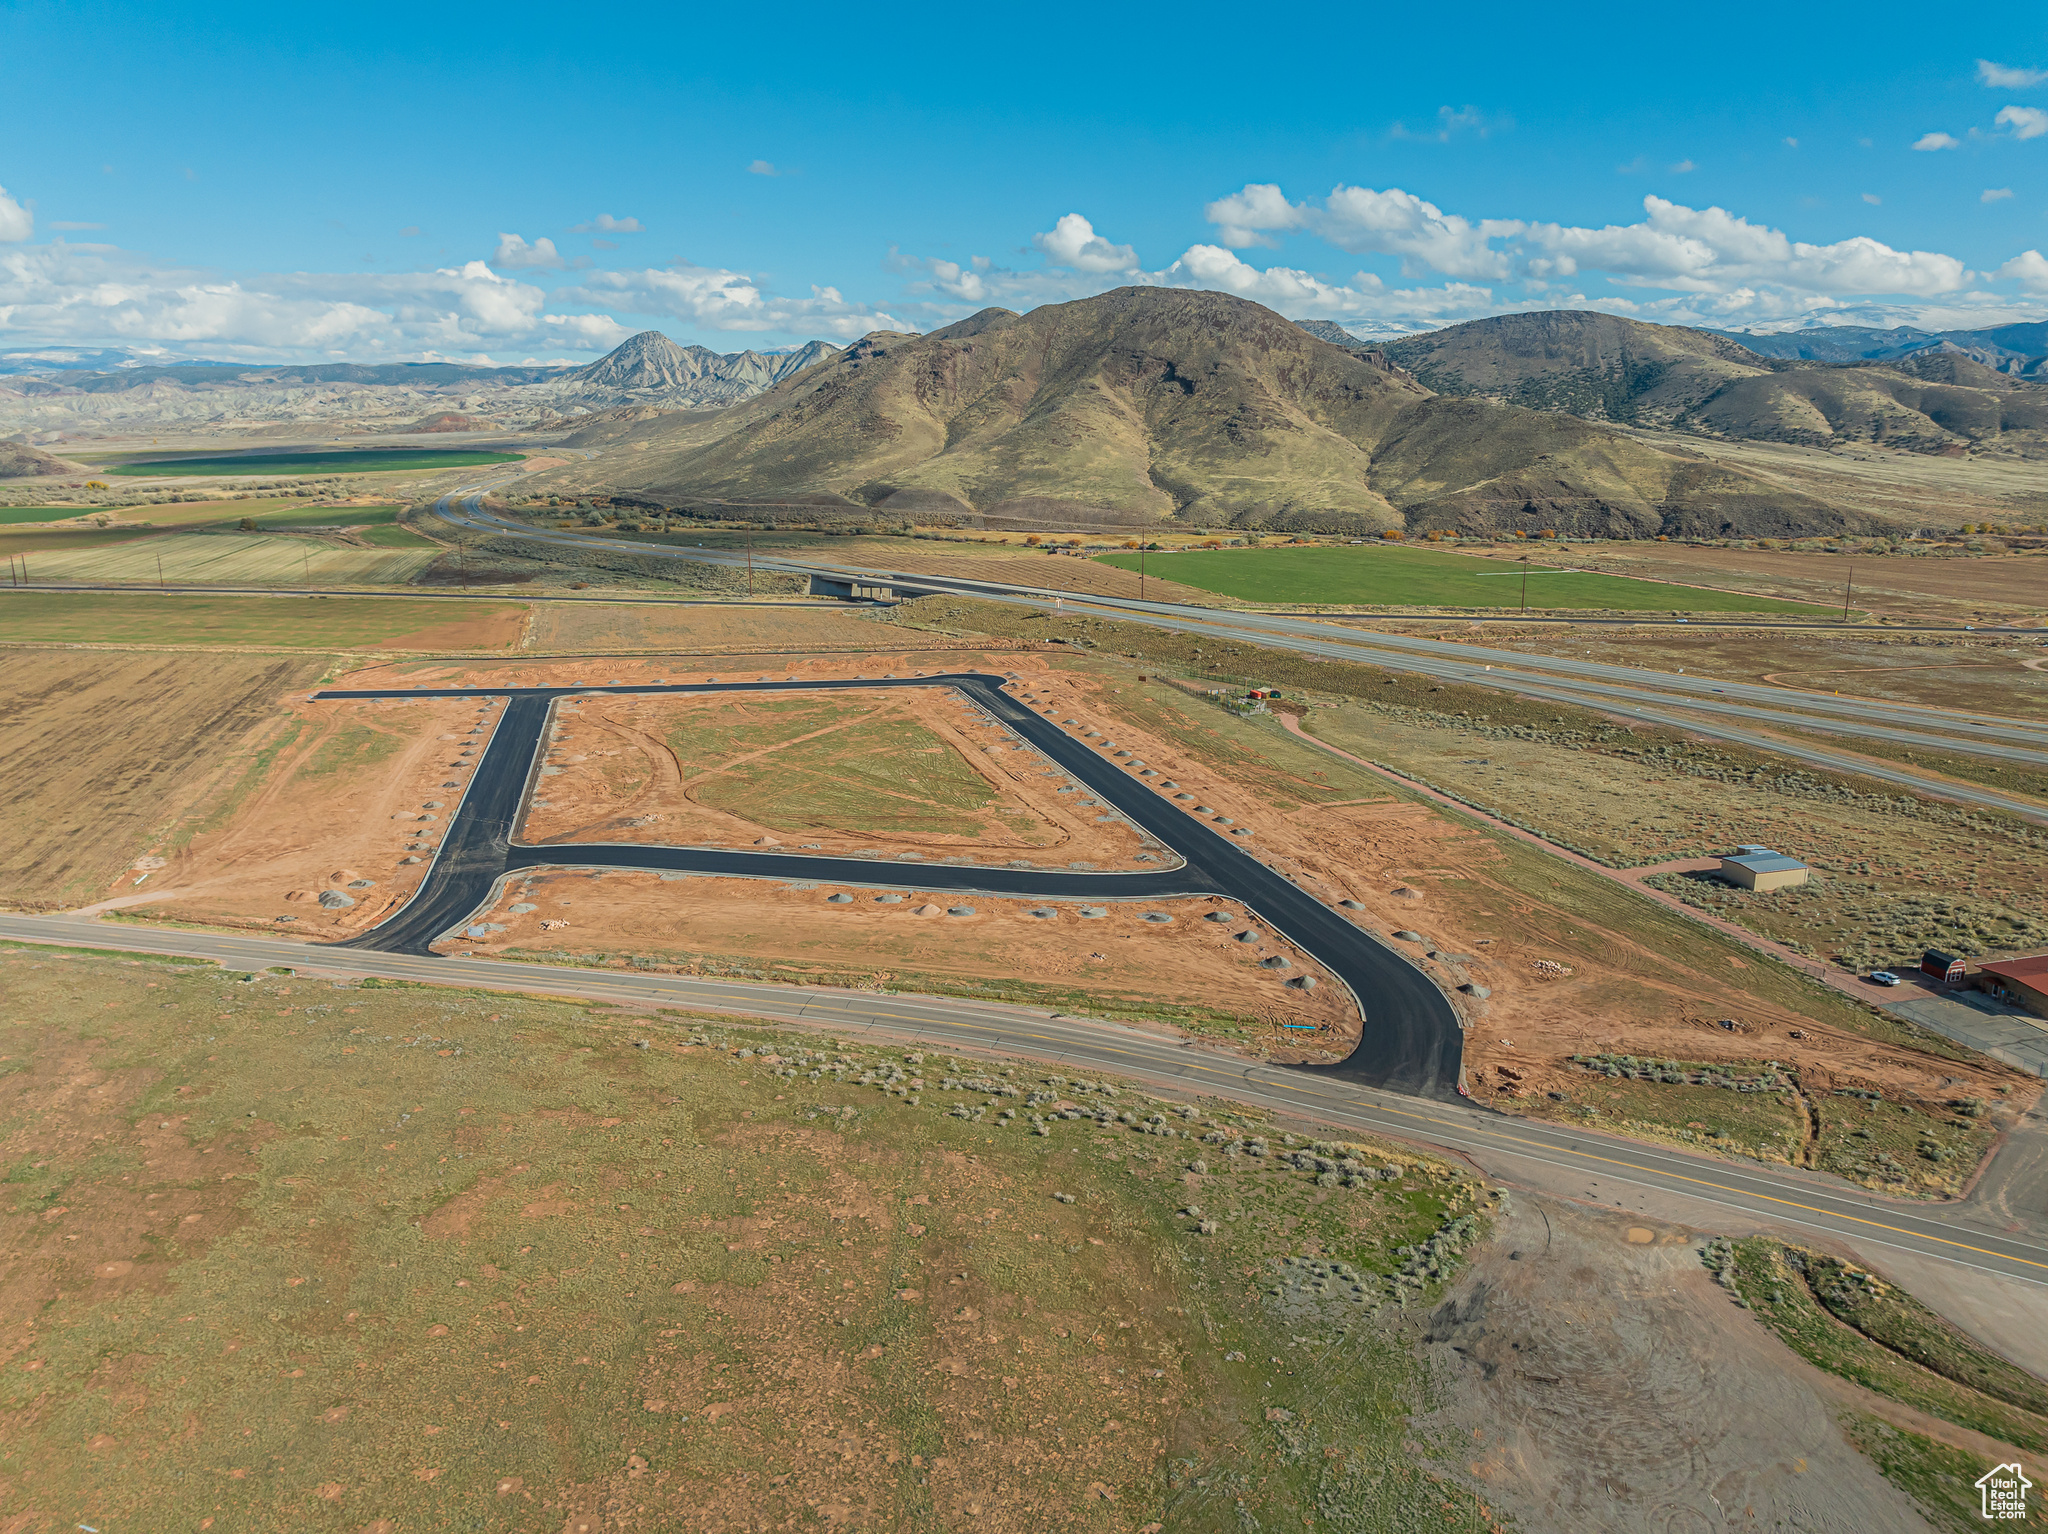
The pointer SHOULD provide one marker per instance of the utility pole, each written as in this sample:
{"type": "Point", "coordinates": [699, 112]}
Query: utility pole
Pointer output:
{"type": "Point", "coordinates": [1141, 572]}
{"type": "Point", "coordinates": [159, 572]}
{"type": "Point", "coordinates": [1525, 583]}
{"type": "Point", "coordinates": [1848, 585]}
{"type": "Point", "coordinates": [750, 564]}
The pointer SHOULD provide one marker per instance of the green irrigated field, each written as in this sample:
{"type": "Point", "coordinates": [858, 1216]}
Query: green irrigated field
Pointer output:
{"type": "Point", "coordinates": [376, 461]}
{"type": "Point", "coordinates": [248, 559]}
{"type": "Point", "coordinates": [275, 623]}
{"type": "Point", "coordinates": [14, 515]}
{"type": "Point", "coordinates": [1373, 575]}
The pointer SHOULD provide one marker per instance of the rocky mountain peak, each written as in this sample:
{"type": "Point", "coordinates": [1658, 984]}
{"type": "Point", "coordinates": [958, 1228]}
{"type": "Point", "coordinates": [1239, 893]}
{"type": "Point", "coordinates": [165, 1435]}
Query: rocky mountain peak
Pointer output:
{"type": "Point", "coordinates": [649, 360]}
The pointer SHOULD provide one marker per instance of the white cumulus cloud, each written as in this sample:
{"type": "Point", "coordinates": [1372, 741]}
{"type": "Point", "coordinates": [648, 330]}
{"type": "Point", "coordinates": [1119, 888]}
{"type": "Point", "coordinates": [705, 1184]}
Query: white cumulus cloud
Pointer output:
{"type": "Point", "coordinates": [1936, 141]}
{"type": "Point", "coordinates": [1674, 246]}
{"type": "Point", "coordinates": [1994, 194]}
{"type": "Point", "coordinates": [16, 222]}
{"type": "Point", "coordinates": [514, 254]}
{"type": "Point", "coordinates": [2025, 122]}
{"type": "Point", "coordinates": [2029, 269]}
{"type": "Point", "coordinates": [2005, 78]}
{"type": "Point", "coordinates": [1251, 217]}
{"type": "Point", "coordinates": [73, 294]}
{"type": "Point", "coordinates": [1073, 242]}
{"type": "Point", "coordinates": [604, 223]}
{"type": "Point", "coordinates": [724, 300]}
{"type": "Point", "coordinates": [1709, 250]}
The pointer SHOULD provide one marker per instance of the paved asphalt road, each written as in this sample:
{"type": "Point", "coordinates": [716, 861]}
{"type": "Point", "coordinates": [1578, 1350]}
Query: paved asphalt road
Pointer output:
{"type": "Point", "coordinates": [1553, 1158]}
{"type": "Point", "coordinates": [1410, 1042]}
{"type": "Point", "coordinates": [1650, 696]}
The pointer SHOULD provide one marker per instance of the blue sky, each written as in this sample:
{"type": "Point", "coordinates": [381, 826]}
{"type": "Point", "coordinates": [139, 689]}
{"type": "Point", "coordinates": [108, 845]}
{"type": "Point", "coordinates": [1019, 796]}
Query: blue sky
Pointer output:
{"type": "Point", "coordinates": [388, 183]}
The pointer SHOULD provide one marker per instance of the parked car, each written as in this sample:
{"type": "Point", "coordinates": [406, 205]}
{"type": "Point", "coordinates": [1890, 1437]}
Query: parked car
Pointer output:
{"type": "Point", "coordinates": [1883, 977]}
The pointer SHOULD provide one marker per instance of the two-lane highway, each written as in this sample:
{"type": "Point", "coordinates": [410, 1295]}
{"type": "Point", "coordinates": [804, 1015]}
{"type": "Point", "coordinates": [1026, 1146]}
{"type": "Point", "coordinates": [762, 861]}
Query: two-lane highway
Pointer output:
{"type": "Point", "coordinates": [1553, 1158]}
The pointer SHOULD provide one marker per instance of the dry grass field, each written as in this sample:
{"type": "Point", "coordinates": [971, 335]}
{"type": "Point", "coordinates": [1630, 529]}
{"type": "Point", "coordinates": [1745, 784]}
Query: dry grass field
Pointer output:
{"type": "Point", "coordinates": [105, 755]}
{"type": "Point", "coordinates": [258, 622]}
{"type": "Point", "coordinates": [1943, 587]}
{"type": "Point", "coordinates": [230, 559]}
{"type": "Point", "coordinates": [696, 629]}
{"type": "Point", "coordinates": [1986, 675]}
{"type": "Point", "coordinates": [349, 801]}
{"type": "Point", "coordinates": [1892, 875]}
{"type": "Point", "coordinates": [1909, 489]}
{"type": "Point", "coordinates": [294, 1255]}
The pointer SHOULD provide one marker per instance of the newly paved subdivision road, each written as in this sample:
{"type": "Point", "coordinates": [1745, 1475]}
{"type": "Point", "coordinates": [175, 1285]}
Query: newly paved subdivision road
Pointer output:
{"type": "Point", "coordinates": [1738, 712]}
{"type": "Point", "coordinates": [1551, 1158]}
{"type": "Point", "coordinates": [1410, 1040]}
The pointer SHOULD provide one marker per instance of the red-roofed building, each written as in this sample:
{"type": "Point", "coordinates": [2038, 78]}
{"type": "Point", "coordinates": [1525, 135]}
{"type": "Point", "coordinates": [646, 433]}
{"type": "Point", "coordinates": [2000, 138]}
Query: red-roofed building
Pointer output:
{"type": "Point", "coordinates": [2023, 981]}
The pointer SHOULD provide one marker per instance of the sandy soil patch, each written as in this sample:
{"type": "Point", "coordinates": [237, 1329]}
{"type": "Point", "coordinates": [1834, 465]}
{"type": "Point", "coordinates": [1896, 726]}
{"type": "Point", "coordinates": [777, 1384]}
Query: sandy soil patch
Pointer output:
{"type": "Point", "coordinates": [348, 808]}
{"type": "Point", "coordinates": [878, 773]}
{"type": "Point", "coordinates": [1604, 1383]}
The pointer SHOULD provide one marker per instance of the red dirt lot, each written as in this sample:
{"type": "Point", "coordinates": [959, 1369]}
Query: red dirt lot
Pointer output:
{"type": "Point", "coordinates": [353, 803]}
{"type": "Point", "coordinates": [899, 939]}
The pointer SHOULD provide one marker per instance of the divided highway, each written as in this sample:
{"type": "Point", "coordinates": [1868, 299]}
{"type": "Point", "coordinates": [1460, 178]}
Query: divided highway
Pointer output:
{"type": "Point", "coordinates": [1738, 712]}
{"type": "Point", "coordinates": [1410, 1040]}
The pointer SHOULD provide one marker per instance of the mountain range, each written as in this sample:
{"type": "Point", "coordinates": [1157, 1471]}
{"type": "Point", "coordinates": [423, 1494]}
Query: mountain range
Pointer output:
{"type": "Point", "coordinates": [1893, 392]}
{"type": "Point", "coordinates": [647, 370]}
{"type": "Point", "coordinates": [2021, 349]}
{"type": "Point", "coordinates": [1146, 406]}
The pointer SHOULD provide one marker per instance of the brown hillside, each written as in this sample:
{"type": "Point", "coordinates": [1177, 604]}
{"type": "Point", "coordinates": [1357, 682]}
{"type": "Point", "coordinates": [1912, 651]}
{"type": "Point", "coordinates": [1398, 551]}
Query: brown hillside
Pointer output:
{"type": "Point", "coordinates": [1603, 367]}
{"type": "Point", "coordinates": [1147, 404]}
{"type": "Point", "coordinates": [1583, 363]}
{"type": "Point", "coordinates": [20, 461]}
{"type": "Point", "coordinates": [1823, 407]}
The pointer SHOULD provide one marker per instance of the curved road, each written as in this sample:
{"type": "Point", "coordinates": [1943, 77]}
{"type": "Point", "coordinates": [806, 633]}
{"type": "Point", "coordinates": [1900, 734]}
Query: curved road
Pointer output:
{"type": "Point", "coordinates": [1410, 1040]}
{"type": "Point", "coordinates": [1569, 1162]}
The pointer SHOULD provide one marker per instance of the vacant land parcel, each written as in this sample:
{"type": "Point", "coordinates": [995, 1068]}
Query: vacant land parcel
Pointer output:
{"type": "Point", "coordinates": [913, 770]}
{"type": "Point", "coordinates": [582, 1280]}
{"type": "Point", "coordinates": [1377, 576]}
{"type": "Point", "coordinates": [270, 623]}
{"type": "Point", "coordinates": [103, 756]}
{"type": "Point", "coordinates": [710, 629]}
{"type": "Point", "coordinates": [233, 559]}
